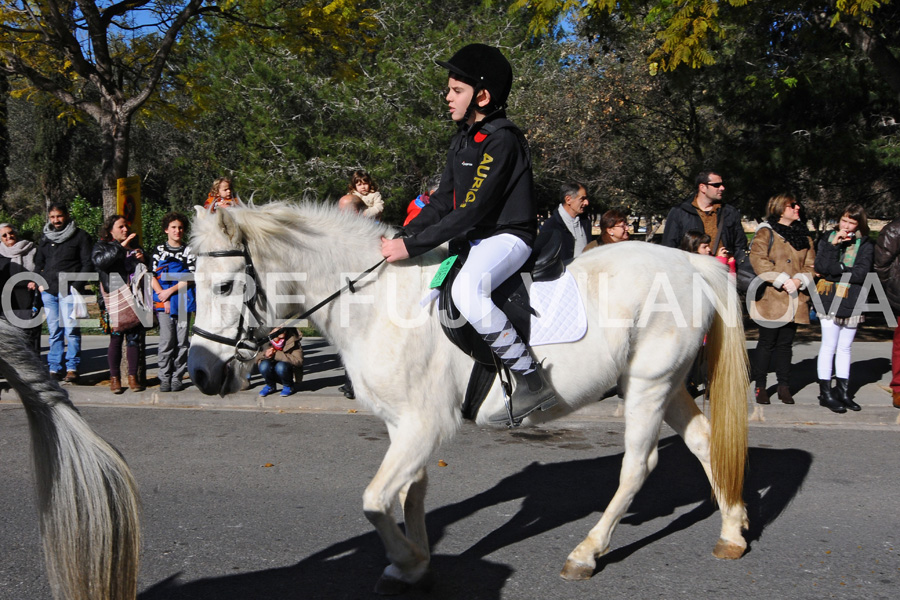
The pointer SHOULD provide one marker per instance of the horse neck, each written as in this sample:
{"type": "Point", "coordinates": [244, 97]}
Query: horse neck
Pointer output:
{"type": "Point", "coordinates": [323, 265]}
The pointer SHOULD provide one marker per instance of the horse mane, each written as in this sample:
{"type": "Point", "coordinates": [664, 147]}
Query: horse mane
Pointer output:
{"type": "Point", "coordinates": [309, 225]}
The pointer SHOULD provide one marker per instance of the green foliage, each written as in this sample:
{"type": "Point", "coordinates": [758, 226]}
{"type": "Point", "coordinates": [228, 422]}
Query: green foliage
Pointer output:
{"type": "Point", "coordinates": [87, 216]}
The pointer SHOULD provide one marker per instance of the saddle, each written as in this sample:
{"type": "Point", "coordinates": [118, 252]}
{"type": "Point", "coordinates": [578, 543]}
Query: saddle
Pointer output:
{"type": "Point", "coordinates": [512, 298]}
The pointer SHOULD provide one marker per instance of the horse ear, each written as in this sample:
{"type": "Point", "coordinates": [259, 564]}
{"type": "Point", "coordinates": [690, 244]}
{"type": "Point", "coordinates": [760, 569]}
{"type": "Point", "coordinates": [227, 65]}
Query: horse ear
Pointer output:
{"type": "Point", "coordinates": [200, 211]}
{"type": "Point", "coordinates": [229, 225]}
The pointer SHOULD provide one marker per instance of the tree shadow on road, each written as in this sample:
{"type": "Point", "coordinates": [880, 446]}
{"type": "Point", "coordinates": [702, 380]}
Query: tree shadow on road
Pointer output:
{"type": "Point", "coordinates": [552, 495]}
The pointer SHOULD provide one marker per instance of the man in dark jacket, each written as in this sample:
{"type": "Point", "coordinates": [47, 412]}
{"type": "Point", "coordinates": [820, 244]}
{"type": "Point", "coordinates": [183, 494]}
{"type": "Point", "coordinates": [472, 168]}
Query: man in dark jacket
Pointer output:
{"type": "Point", "coordinates": [887, 266]}
{"type": "Point", "coordinates": [707, 213]}
{"type": "Point", "coordinates": [63, 257]}
{"type": "Point", "coordinates": [570, 221]}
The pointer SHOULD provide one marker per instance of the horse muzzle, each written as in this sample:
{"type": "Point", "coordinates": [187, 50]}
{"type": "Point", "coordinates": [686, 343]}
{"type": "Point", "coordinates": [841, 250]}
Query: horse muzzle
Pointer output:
{"type": "Point", "coordinates": [210, 373]}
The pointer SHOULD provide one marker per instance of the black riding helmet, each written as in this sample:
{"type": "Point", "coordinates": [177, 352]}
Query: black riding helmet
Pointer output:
{"type": "Point", "coordinates": [482, 67]}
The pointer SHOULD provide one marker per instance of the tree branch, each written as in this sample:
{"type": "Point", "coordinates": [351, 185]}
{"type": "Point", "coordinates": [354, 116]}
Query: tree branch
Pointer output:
{"type": "Point", "coordinates": [162, 54]}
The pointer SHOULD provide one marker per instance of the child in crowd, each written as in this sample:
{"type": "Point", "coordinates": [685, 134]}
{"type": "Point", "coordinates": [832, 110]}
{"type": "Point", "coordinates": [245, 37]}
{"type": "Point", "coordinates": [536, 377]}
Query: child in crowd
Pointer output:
{"type": "Point", "coordinates": [173, 300]}
{"type": "Point", "coordinates": [697, 242]}
{"type": "Point", "coordinates": [281, 362]}
{"type": "Point", "coordinates": [844, 258]}
{"type": "Point", "coordinates": [364, 187]}
{"type": "Point", "coordinates": [221, 195]}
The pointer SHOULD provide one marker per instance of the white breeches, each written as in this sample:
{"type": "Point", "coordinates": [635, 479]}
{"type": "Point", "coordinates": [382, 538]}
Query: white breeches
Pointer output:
{"type": "Point", "coordinates": [491, 261]}
{"type": "Point", "coordinates": [836, 341]}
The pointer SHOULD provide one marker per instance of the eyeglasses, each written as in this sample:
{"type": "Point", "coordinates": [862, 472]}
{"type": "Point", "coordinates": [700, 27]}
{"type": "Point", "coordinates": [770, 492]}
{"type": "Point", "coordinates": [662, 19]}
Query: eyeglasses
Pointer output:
{"type": "Point", "coordinates": [716, 185]}
{"type": "Point", "coordinates": [6, 235]}
{"type": "Point", "coordinates": [795, 205]}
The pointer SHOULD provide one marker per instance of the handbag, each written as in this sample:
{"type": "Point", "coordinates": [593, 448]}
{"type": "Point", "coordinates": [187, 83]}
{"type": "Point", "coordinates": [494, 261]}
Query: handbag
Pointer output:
{"type": "Point", "coordinates": [79, 306]}
{"type": "Point", "coordinates": [121, 309]}
{"type": "Point", "coordinates": [745, 274]}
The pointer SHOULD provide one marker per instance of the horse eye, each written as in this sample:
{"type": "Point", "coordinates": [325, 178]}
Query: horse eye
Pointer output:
{"type": "Point", "coordinates": [223, 288]}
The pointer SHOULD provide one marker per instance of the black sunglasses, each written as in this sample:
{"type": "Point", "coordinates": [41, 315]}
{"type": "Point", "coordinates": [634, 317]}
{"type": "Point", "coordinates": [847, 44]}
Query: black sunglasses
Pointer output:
{"type": "Point", "coordinates": [715, 185]}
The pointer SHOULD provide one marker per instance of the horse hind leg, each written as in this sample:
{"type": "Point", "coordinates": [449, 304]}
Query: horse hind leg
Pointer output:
{"type": "Point", "coordinates": [691, 424]}
{"type": "Point", "coordinates": [401, 475]}
{"type": "Point", "coordinates": [642, 422]}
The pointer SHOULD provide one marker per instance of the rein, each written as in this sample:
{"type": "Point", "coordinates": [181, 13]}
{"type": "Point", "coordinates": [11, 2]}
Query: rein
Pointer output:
{"type": "Point", "coordinates": [246, 345]}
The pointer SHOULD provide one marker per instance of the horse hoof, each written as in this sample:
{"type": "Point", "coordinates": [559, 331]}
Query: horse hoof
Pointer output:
{"type": "Point", "coordinates": [391, 586]}
{"type": "Point", "coordinates": [728, 550]}
{"type": "Point", "coordinates": [574, 571]}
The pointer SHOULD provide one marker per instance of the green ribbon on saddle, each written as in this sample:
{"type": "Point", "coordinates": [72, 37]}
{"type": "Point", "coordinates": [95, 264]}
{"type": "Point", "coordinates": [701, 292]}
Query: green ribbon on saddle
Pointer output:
{"type": "Point", "coordinates": [848, 258]}
{"type": "Point", "coordinates": [443, 271]}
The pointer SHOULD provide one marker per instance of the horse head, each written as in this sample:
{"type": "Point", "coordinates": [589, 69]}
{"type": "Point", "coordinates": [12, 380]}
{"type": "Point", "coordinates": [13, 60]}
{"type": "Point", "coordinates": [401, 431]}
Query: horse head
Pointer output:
{"type": "Point", "coordinates": [222, 348]}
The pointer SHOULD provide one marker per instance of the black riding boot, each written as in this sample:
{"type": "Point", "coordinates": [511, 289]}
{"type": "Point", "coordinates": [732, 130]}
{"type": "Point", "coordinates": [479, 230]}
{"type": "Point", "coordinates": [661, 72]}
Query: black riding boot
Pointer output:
{"type": "Point", "coordinates": [842, 393]}
{"type": "Point", "coordinates": [827, 400]}
{"type": "Point", "coordinates": [532, 391]}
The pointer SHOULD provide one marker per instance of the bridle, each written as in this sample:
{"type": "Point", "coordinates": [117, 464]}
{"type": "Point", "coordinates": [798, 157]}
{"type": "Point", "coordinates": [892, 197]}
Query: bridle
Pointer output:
{"type": "Point", "coordinates": [246, 342]}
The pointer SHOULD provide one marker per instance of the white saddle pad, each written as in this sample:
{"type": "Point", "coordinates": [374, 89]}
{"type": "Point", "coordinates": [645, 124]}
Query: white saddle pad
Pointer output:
{"type": "Point", "coordinates": [560, 312]}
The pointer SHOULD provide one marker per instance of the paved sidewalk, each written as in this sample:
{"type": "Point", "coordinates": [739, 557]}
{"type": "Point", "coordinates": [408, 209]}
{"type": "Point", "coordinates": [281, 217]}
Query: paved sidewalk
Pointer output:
{"type": "Point", "coordinates": [323, 373]}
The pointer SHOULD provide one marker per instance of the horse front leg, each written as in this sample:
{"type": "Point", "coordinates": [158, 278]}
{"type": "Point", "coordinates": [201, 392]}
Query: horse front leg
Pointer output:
{"type": "Point", "coordinates": [402, 470]}
{"type": "Point", "coordinates": [691, 424]}
{"type": "Point", "coordinates": [412, 498]}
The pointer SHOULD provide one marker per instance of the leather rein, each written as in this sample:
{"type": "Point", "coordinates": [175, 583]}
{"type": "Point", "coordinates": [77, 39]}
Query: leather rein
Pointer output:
{"type": "Point", "coordinates": [245, 341]}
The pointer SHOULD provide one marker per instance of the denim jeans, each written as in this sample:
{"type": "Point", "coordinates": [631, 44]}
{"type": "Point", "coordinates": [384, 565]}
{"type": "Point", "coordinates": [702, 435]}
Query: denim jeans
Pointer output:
{"type": "Point", "coordinates": [275, 371]}
{"type": "Point", "coordinates": [65, 336]}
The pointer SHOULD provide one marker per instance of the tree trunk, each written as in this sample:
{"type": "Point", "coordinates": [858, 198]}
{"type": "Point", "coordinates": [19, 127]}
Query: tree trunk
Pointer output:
{"type": "Point", "coordinates": [4, 133]}
{"type": "Point", "coordinates": [115, 129]}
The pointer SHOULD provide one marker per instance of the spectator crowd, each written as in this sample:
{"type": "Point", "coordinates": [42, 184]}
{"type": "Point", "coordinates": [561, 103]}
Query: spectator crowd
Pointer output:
{"type": "Point", "coordinates": [54, 274]}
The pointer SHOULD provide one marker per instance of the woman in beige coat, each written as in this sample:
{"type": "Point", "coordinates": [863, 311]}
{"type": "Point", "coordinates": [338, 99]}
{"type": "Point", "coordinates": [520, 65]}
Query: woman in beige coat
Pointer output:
{"type": "Point", "coordinates": [786, 265]}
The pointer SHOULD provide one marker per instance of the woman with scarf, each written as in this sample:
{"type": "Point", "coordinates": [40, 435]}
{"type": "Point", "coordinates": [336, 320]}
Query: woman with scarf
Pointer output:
{"type": "Point", "coordinates": [25, 295]}
{"type": "Point", "coordinates": [843, 259]}
{"type": "Point", "coordinates": [786, 265]}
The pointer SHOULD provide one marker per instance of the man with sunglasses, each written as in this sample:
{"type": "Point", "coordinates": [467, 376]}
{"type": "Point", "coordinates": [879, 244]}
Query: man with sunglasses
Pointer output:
{"type": "Point", "coordinates": [707, 213]}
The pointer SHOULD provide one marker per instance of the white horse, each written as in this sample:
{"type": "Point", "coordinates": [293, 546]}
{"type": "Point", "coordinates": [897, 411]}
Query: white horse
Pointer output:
{"type": "Point", "coordinates": [408, 373]}
{"type": "Point", "coordinates": [87, 496]}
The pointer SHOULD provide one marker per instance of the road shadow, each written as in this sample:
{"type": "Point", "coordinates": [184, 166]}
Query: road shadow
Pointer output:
{"type": "Point", "coordinates": [317, 360]}
{"type": "Point", "coordinates": [805, 373]}
{"type": "Point", "coordinates": [868, 371]}
{"type": "Point", "coordinates": [549, 500]}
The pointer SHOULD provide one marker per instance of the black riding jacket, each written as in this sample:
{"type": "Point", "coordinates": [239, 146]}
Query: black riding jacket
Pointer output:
{"type": "Point", "coordinates": [486, 189]}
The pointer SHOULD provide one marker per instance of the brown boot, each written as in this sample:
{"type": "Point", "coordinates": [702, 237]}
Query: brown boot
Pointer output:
{"type": "Point", "coordinates": [762, 396]}
{"type": "Point", "coordinates": [896, 399]}
{"type": "Point", "coordinates": [115, 385]}
{"type": "Point", "coordinates": [134, 385]}
{"type": "Point", "coordinates": [784, 394]}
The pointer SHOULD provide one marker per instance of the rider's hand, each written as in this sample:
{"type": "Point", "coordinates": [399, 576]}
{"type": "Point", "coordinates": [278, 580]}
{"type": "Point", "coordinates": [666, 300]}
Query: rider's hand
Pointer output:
{"type": "Point", "coordinates": [393, 250]}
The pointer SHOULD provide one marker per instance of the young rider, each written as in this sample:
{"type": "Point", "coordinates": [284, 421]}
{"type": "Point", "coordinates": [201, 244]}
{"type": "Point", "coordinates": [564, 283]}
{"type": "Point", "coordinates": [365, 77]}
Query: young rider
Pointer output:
{"type": "Point", "coordinates": [486, 196]}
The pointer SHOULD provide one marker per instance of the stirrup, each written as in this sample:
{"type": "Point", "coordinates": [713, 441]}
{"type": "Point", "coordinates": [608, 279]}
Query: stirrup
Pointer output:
{"type": "Point", "coordinates": [532, 392]}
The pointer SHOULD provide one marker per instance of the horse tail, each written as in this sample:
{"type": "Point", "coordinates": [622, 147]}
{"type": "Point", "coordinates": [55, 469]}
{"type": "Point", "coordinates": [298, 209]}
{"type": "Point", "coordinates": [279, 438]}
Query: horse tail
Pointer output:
{"type": "Point", "coordinates": [87, 496]}
{"type": "Point", "coordinates": [728, 384]}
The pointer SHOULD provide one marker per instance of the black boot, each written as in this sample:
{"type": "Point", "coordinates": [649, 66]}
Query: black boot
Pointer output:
{"type": "Point", "coordinates": [827, 400]}
{"type": "Point", "coordinates": [842, 393]}
{"type": "Point", "coordinates": [532, 392]}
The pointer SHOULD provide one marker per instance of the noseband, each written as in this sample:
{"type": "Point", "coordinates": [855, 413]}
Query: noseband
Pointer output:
{"type": "Point", "coordinates": [245, 341]}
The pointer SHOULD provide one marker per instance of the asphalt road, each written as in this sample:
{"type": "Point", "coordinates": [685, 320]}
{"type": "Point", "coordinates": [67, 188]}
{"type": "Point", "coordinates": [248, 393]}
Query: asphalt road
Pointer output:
{"type": "Point", "coordinates": [503, 513]}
